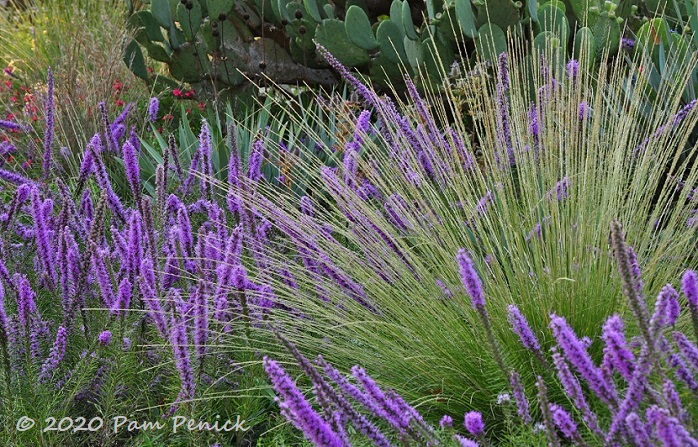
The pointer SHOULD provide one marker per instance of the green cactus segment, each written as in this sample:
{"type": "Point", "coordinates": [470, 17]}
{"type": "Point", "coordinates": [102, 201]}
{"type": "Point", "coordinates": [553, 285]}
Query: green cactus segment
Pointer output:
{"type": "Point", "coordinates": [358, 28]}
{"type": "Point", "coordinates": [654, 37]}
{"type": "Point", "coordinates": [146, 26]}
{"type": "Point", "coordinates": [157, 52]}
{"type": "Point", "coordinates": [413, 50]}
{"type": "Point", "coordinates": [218, 7]}
{"type": "Point", "coordinates": [553, 19]}
{"type": "Point", "coordinates": [502, 13]}
{"type": "Point", "coordinates": [332, 35]}
{"type": "Point", "coordinates": [162, 12]}
{"type": "Point", "coordinates": [491, 42]}
{"type": "Point", "coordinates": [312, 8]}
{"type": "Point", "coordinates": [329, 11]}
{"type": "Point", "coordinates": [584, 48]}
{"type": "Point", "coordinates": [549, 45]}
{"type": "Point", "coordinates": [386, 73]}
{"type": "Point", "coordinates": [606, 35]}
{"type": "Point", "coordinates": [190, 19]}
{"type": "Point", "coordinates": [390, 40]}
{"type": "Point", "coordinates": [396, 14]}
{"type": "Point", "coordinates": [466, 18]}
{"type": "Point", "coordinates": [532, 9]}
{"type": "Point", "coordinates": [133, 57]}
{"type": "Point", "coordinates": [407, 21]}
{"type": "Point", "coordinates": [437, 58]}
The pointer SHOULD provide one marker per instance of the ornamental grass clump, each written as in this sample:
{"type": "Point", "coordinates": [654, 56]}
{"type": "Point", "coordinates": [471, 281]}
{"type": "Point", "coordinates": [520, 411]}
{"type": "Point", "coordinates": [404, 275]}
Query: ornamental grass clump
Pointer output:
{"type": "Point", "coordinates": [642, 395]}
{"type": "Point", "coordinates": [531, 210]}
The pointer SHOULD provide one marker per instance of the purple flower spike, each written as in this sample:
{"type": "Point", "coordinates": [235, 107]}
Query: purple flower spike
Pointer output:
{"type": "Point", "coordinates": [256, 159]}
{"type": "Point", "coordinates": [104, 338]}
{"type": "Point", "coordinates": [520, 398]}
{"type": "Point", "coordinates": [564, 421]}
{"type": "Point", "coordinates": [523, 330]}
{"type": "Point", "coordinates": [577, 355]}
{"type": "Point", "coordinates": [474, 424]}
{"type": "Point", "coordinates": [153, 107]}
{"type": "Point", "coordinates": [616, 353]}
{"type": "Point", "coordinates": [56, 355]}
{"type": "Point", "coordinates": [297, 409]}
{"type": "Point", "coordinates": [465, 442]}
{"type": "Point", "coordinates": [446, 421]}
{"type": "Point", "coordinates": [470, 279]}
{"type": "Point", "coordinates": [132, 168]}
{"type": "Point", "coordinates": [123, 299]}
{"type": "Point", "coordinates": [689, 287]}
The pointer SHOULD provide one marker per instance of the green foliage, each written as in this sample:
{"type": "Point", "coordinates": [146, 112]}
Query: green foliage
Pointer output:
{"type": "Point", "coordinates": [279, 42]}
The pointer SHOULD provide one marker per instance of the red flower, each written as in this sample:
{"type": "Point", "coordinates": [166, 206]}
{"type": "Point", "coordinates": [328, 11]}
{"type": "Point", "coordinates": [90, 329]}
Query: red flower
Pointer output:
{"type": "Point", "coordinates": [119, 102]}
{"type": "Point", "coordinates": [167, 117]}
{"type": "Point", "coordinates": [177, 93]}
{"type": "Point", "coordinates": [189, 94]}
{"type": "Point", "coordinates": [150, 69]}
{"type": "Point", "coordinates": [201, 106]}
{"type": "Point", "coordinates": [187, 111]}
{"type": "Point", "coordinates": [117, 86]}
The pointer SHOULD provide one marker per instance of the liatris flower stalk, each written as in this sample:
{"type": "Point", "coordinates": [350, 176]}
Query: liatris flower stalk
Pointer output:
{"type": "Point", "coordinates": [153, 107]}
{"type": "Point", "coordinates": [503, 106]}
{"type": "Point", "coordinates": [473, 285]}
{"type": "Point", "coordinates": [689, 287]}
{"type": "Point", "coordinates": [256, 158]}
{"type": "Point", "coordinates": [616, 354]}
{"type": "Point", "coordinates": [520, 398]}
{"type": "Point", "coordinates": [132, 169]}
{"type": "Point", "coordinates": [629, 280]}
{"type": "Point", "coordinates": [206, 160]}
{"type": "Point", "coordinates": [298, 410]}
{"type": "Point", "coordinates": [180, 348]}
{"type": "Point", "coordinates": [474, 424]}
{"type": "Point", "coordinates": [578, 356]}
{"type": "Point", "coordinates": [357, 419]}
{"type": "Point", "coordinates": [574, 390]}
{"type": "Point", "coordinates": [43, 240]}
{"type": "Point", "coordinates": [523, 330]}
{"type": "Point", "coordinates": [56, 355]}
{"type": "Point", "coordinates": [550, 431]}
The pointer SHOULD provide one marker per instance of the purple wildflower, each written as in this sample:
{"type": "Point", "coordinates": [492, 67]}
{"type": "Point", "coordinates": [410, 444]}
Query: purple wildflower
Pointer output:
{"type": "Point", "coordinates": [178, 339]}
{"type": "Point", "coordinates": [132, 169]}
{"type": "Point", "coordinates": [520, 397]}
{"type": "Point", "coordinates": [564, 421]}
{"type": "Point", "coordinates": [636, 429]}
{"type": "Point", "coordinates": [123, 298]}
{"type": "Point", "coordinates": [153, 107]}
{"type": "Point", "coordinates": [578, 356]}
{"type": "Point", "coordinates": [616, 353]}
{"type": "Point", "coordinates": [104, 338]}
{"type": "Point", "coordinates": [446, 421]}
{"type": "Point", "coordinates": [627, 44]}
{"type": "Point", "coordinates": [474, 424]}
{"type": "Point", "coordinates": [523, 330]}
{"type": "Point", "coordinates": [465, 442]}
{"type": "Point", "coordinates": [689, 287]}
{"type": "Point", "coordinates": [470, 279]}
{"type": "Point", "coordinates": [256, 159]}
{"type": "Point", "coordinates": [583, 111]}
{"type": "Point", "coordinates": [298, 410]}
{"type": "Point", "coordinates": [55, 356]}
{"type": "Point", "coordinates": [572, 69]}
{"type": "Point", "coordinates": [43, 240]}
